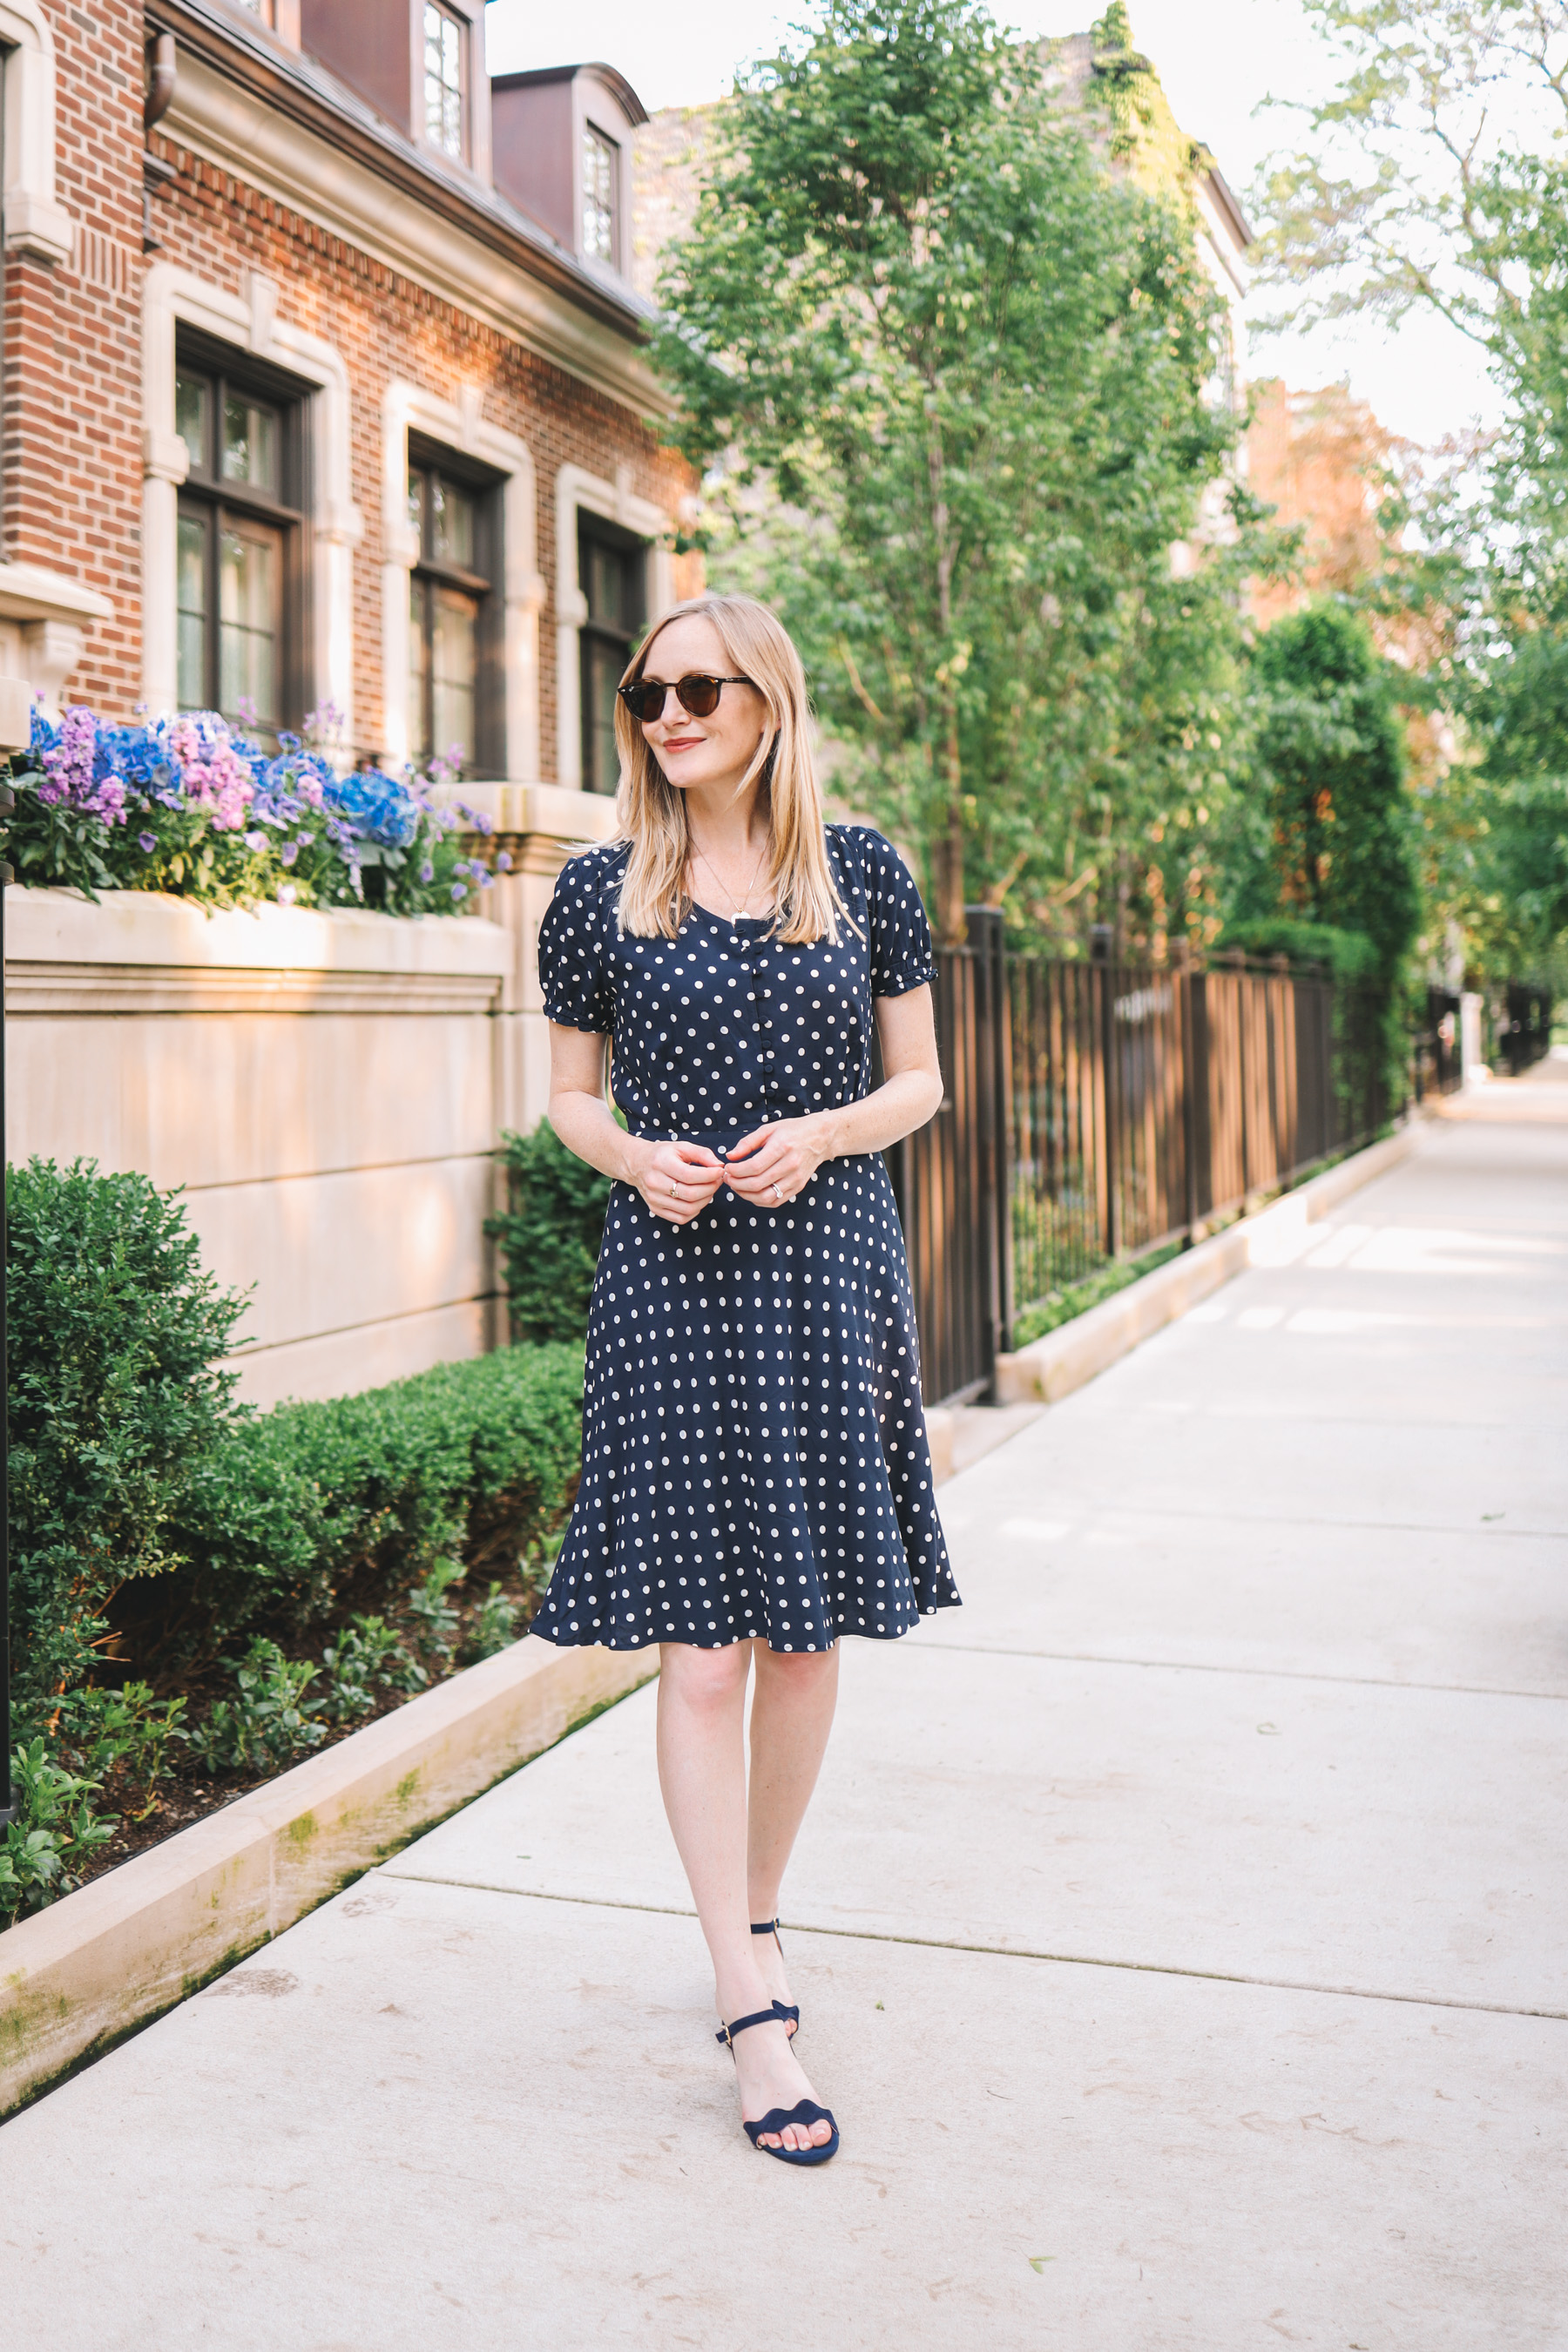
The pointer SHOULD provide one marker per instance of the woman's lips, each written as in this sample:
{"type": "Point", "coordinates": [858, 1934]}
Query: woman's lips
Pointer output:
{"type": "Point", "coordinates": [682, 742]}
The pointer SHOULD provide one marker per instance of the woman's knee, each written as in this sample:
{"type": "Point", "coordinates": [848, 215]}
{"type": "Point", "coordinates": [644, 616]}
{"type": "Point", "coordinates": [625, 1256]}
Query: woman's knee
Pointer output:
{"type": "Point", "coordinates": [795, 1672]}
{"type": "Point", "coordinates": [707, 1680]}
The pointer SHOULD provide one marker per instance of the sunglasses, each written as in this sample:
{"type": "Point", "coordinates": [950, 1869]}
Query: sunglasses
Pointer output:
{"type": "Point", "coordinates": [696, 692]}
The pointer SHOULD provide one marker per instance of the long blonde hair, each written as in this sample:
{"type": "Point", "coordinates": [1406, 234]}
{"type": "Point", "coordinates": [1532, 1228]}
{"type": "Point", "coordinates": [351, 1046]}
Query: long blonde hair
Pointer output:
{"type": "Point", "coordinates": [654, 897]}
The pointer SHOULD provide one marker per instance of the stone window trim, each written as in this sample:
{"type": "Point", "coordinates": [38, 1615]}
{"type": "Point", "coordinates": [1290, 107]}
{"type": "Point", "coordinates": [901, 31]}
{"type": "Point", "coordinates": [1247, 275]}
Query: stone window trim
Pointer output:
{"type": "Point", "coordinates": [461, 425]}
{"type": "Point", "coordinates": [250, 324]}
{"type": "Point", "coordinates": [577, 490]}
{"type": "Point", "coordinates": [32, 223]}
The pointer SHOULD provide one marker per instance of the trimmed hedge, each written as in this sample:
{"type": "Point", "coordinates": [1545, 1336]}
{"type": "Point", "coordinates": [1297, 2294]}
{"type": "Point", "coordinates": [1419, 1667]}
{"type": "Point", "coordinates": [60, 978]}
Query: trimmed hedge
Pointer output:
{"type": "Point", "coordinates": [197, 1584]}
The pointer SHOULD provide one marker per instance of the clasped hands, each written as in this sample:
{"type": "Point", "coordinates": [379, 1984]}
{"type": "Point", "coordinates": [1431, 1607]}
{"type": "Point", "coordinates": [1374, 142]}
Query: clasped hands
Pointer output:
{"type": "Point", "coordinates": [769, 1166]}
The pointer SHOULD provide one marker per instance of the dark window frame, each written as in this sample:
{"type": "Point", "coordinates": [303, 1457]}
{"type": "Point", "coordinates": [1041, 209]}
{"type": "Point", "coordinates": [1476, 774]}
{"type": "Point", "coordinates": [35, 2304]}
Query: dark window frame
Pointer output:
{"type": "Point", "coordinates": [487, 754]}
{"type": "Point", "coordinates": [208, 494]}
{"type": "Point", "coordinates": [600, 634]}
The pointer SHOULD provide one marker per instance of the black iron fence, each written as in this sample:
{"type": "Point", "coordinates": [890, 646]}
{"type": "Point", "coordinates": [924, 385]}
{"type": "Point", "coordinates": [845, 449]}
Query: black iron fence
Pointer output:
{"type": "Point", "coordinates": [1095, 1110]}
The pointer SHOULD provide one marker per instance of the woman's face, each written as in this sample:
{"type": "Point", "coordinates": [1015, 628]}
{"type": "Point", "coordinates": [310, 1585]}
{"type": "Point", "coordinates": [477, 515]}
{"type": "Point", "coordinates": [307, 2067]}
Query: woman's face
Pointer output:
{"type": "Point", "coordinates": [715, 750]}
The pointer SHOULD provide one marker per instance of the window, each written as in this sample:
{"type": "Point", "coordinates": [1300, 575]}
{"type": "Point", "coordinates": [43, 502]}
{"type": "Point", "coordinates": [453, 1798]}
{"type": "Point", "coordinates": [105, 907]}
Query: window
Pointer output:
{"type": "Point", "coordinates": [450, 615]}
{"type": "Point", "coordinates": [600, 158]}
{"type": "Point", "coordinates": [237, 550]}
{"type": "Point", "coordinates": [444, 62]}
{"type": "Point", "coordinates": [612, 572]}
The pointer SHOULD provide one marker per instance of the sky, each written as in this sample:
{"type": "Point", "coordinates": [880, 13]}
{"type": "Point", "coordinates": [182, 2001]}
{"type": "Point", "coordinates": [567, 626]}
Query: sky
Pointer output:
{"type": "Point", "coordinates": [1218, 59]}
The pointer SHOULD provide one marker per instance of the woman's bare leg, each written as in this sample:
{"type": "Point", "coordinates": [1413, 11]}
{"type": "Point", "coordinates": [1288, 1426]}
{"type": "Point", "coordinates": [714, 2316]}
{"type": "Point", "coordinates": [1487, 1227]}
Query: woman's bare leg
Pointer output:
{"type": "Point", "coordinates": [792, 1714]}
{"type": "Point", "coordinates": [702, 1773]}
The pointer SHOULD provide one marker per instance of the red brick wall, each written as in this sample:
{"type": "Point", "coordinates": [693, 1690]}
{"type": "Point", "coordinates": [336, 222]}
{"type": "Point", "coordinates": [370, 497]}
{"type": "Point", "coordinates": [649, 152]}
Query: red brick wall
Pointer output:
{"type": "Point", "coordinates": [71, 384]}
{"type": "Point", "coordinates": [386, 325]}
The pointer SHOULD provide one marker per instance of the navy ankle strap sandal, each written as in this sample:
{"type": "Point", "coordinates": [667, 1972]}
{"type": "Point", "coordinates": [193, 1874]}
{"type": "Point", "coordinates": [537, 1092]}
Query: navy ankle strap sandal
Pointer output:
{"type": "Point", "coordinates": [791, 2009]}
{"type": "Point", "coordinates": [804, 2111]}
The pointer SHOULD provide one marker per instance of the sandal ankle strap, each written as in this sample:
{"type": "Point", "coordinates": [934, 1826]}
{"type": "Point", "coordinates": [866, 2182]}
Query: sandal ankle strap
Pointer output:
{"type": "Point", "coordinates": [764, 1926]}
{"type": "Point", "coordinates": [726, 2033]}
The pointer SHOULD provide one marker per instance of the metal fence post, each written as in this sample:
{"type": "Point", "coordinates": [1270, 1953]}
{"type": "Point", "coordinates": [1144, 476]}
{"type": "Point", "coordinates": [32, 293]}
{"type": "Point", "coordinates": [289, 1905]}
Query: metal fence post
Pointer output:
{"type": "Point", "coordinates": [1100, 950]}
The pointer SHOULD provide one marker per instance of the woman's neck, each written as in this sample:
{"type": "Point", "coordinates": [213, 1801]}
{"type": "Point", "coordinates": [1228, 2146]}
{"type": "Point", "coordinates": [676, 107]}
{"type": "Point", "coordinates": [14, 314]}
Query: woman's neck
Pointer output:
{"type": "Point", "coordinates": [721, 826]}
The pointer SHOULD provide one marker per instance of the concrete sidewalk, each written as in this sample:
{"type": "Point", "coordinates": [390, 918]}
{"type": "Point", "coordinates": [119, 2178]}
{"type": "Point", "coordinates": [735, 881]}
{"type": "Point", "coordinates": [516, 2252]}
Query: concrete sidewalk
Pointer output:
{"type": "Point", "coordinates": [1182, 1931]}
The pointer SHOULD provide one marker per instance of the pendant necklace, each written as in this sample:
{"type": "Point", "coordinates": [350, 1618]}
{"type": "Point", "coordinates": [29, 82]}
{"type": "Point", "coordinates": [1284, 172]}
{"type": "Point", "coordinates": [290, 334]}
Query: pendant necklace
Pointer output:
{"type": "Point", "coordinates": [740, 911]}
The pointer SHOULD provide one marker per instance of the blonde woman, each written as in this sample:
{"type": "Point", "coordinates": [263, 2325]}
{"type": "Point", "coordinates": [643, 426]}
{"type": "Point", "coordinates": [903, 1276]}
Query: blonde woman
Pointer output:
{"type": "Point", "coordinates": [756, 1482]}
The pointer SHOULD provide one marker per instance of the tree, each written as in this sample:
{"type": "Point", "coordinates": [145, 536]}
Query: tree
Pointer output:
{"type": "Point", "coordinates": [1432, 178]}
{"type": "Point", "coordinates": [957, 378]}
{"type": "Point", "coordinates": [1336, 844]}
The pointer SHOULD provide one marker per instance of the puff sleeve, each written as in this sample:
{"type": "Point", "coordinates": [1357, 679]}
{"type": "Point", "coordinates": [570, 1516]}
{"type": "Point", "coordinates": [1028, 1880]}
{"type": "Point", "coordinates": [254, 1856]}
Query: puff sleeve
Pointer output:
{"type": "Point", "coordinates": [573, 967]}
{"type": "Point", "coordinates": [900, 935]}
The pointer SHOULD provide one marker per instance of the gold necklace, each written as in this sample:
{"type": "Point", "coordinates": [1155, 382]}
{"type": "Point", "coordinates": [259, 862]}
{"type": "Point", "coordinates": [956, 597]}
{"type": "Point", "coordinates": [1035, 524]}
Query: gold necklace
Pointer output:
{"type": "Point", "coordinates": [740, 911]}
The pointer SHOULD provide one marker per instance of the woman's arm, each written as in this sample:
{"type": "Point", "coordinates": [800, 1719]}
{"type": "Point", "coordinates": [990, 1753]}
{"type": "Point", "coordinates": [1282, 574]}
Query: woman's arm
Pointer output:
{"type": "Point", "coordinates": [789, 1152]}
{"type": "Point", "coordinates": [676, 1179]}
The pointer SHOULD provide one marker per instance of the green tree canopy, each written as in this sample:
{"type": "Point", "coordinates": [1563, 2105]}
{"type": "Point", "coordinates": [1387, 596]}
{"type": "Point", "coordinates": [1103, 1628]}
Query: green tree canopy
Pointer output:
{"type": "Point", "coordinates": [1334, 838]}
{"type": "Point", "coordinates": [956, 382]}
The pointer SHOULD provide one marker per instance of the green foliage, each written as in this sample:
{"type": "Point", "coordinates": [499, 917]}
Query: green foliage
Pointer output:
{"type": "Point", "coordinates": [268, 1722]}
{"type": "Point", "coordinates": [117, 1407]}
{"type": "Point", "coordinates": [55, 1833]}
{"type": "Point", "coordinates": [1334, 838]}
{"type": "Point", "coordinates": [157, 1523]}
{"type": "Point", "coordinates": [364, 1662]}
{"type": "Point", "coordinates": [119, 1741]}
{"type": "Point", "coordinates": [1059, 1306]}
{"type": "Point", "coordinates": [1348, 957]}
{"type": "Point", "coordinates": [549, 1233]}
{"type": "Point", "coordinates": [1432, 178]}
{"type": "Point", "coordinates": [313, 1512]}
{"type": "Point", "coordinates": [955, 378]}
{"type": "Point", "coordinates": [492, 1627]}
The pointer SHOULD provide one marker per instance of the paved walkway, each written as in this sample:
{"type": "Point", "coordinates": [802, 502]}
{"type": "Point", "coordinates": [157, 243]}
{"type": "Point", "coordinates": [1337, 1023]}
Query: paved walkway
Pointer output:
{"type": "Point", "coordinates": [1183, 1927]}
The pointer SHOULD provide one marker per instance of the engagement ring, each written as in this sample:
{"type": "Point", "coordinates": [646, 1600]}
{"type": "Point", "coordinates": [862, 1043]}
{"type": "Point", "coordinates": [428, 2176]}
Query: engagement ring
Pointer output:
{"type": "Point", "coordinates": [777, 1194]}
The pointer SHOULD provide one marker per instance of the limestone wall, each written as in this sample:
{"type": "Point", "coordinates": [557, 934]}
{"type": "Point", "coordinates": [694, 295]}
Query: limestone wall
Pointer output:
{"type": "Point", "coordinates": [327, 1088]}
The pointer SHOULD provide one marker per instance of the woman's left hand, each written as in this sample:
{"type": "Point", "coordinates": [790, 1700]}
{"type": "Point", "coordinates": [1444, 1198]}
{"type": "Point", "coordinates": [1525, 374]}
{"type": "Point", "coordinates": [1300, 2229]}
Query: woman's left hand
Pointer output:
{"type": "Point", "coordinates": [773, 1163]}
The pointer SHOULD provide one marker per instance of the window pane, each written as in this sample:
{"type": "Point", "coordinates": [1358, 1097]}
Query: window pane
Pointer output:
{"type": "Point", "coordinates": [599, 158]}
{"type": "Point", "coordinates": [453, 664]}
{"type": "Point", "coordinates": [247, 630]}
{"type": "Point", "coordinates": [419, 744]}
{"type": "Point", "coordinates": [417, 505]}
{"type": "Point", "coordinates": [191, 419]}
{"type": "Point", "coordinates": [451, 523]}
{"type": "Point", "coordinates": [250, 442]}
{"type": "Point", "coordinates": [191, 612]}
{"type": "Point", "coordinates": [443, 80]}
{"type": "Point", "coordinates": [611, 577]}
{"type": "Point", "coordinates": [602, 668]}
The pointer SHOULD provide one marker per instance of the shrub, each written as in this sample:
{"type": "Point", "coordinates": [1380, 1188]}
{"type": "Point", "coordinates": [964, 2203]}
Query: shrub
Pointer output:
{"type": "Point", "coordinates": [549, 1234]}
{"type": "Point", "coordinates": [54, 1833]}
{"type": "Point", "coordinates": [117, 1407]}
{"type": "Point", "coordinates": [268, 1721]}
{"type": "Point", "coordinates": [313, 1512]}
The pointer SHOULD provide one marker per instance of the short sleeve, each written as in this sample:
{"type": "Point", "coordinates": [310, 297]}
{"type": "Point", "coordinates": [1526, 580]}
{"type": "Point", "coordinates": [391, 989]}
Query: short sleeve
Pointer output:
{"type": "Point", "coordinates": [572, 964]}
{"type": "Point", "coordinates": [899, 942]}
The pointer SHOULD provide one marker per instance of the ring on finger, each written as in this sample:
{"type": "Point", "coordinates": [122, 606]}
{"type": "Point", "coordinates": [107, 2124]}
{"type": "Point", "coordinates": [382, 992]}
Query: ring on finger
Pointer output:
{"type": "Point", "coordinates": [777, 1194]}
{"type": "Point", "coordinates": [674, 1189]}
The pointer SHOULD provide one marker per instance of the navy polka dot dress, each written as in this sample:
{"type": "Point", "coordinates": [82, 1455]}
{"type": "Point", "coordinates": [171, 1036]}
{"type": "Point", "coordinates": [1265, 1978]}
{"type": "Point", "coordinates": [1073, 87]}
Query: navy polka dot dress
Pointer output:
{"type": "Point", "coordinates": [754, 1456]}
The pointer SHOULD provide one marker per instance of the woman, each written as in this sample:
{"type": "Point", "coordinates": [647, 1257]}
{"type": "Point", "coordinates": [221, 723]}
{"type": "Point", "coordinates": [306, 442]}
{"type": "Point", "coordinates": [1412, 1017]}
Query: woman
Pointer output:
{"type": "Point", "coordinates": [756, 1481]}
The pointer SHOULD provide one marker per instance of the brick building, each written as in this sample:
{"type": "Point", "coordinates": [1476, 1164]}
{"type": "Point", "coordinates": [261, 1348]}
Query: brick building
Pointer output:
{"type": "Point", "coordinates": [323, 377]}
{"type": "Point", "coordinates": [324, 382]}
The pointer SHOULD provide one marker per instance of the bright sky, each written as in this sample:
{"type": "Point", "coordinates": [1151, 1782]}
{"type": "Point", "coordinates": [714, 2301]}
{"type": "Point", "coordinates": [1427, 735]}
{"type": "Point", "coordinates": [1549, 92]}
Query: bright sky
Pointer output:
{"type": "Point", "coordinates": [1218, 59]}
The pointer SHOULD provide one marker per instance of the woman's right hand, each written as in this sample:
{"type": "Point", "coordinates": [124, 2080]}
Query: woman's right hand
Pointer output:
{"type": "Point", "coordinates": [676, 1179]}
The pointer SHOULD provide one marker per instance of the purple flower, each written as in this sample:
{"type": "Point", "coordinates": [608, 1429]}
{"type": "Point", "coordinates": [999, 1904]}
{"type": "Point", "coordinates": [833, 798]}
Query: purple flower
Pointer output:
{"type": "Point", "coordinates": [287, 894]}
{"type": "Point", "coordinates": [147, 843]}
{"type": "Point", "coordinates": [459, 890]}
{"type": "Point", "coordinates": [427, 872]}
{"type": "Point", "coordinates": [289, 850]}
{"type": "Point", "coordinates": [257, 841]}
{"type": "Point", "coordinates": [503, 861]}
